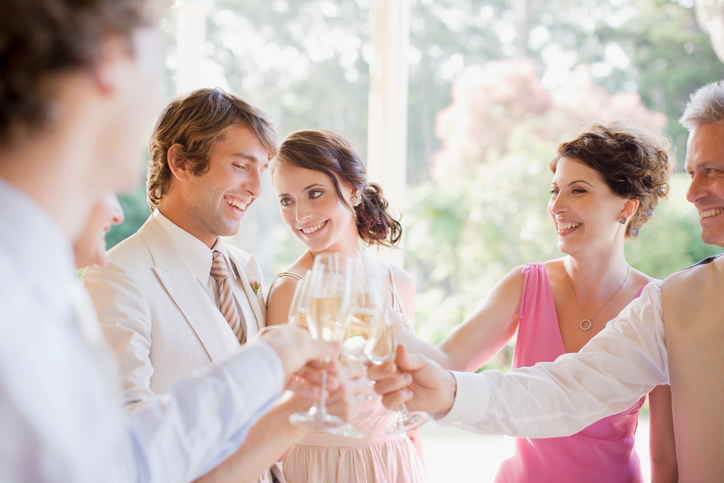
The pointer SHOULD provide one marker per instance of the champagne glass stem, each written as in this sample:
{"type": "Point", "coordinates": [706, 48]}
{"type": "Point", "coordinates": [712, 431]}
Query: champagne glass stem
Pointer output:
{"type": "Point", "coordinates": [322, 400]}
{"type": "Point", "coordinates": [406, 421]}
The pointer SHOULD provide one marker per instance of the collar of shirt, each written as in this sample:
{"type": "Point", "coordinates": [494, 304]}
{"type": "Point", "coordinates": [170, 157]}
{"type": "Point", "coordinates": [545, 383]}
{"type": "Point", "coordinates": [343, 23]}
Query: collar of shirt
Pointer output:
{"type": "Point", "coordinates": [194, 251]}
{"type": "Point", "coordinates": [36, 247]}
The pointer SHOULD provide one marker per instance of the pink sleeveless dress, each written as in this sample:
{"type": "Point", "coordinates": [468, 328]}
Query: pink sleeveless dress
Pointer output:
{"type": "Point", "coordinates": [604, 451]}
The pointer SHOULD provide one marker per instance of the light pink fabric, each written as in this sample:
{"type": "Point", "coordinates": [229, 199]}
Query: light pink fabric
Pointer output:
{"type": "Point", "coordinates": [381, 458]}
{"type": "Point", "coordinates": [603, 452]}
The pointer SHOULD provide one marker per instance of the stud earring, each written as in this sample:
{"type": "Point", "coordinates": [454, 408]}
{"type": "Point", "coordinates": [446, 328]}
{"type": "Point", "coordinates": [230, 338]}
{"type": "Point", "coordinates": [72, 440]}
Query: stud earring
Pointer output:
{"type": "Point", "coordinates": [622, 220]}
{"type": "Point", "coordinates": [356, 199]}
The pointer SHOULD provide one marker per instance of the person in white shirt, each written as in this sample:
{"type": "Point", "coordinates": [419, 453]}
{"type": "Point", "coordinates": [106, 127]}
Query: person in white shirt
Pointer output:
{"type": "Point", "coordinates": [78, 84]}
{"type": "Point", "coordinates": [673, 334]}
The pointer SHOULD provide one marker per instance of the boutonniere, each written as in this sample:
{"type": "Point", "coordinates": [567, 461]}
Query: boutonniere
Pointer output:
{"type": "Point", "coordinates": [256, 287]}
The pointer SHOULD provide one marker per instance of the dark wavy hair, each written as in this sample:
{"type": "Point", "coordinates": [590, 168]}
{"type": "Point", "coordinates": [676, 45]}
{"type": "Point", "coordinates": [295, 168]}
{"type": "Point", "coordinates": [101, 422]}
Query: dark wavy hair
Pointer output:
{"type": "Point", "coordinates": [331, 154]}
{"type": "Point", "coordinates": [633, 164]}
{"type": "Point", "coordinates": [40, 40]}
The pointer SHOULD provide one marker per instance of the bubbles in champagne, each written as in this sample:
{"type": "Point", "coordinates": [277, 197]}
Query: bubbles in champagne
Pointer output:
{"type": "Point", "coordinates": [381, 348]}
{"type": "Point", "coordinates": [358, 332]}
{"type": "Point", "coordinates": [324, 318]}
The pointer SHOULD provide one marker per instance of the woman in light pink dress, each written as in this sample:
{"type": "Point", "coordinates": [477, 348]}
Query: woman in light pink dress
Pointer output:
{"type": "Point", "coordinates": [326, 203]}
{"type": "Point", "coordinates": [606, 184]}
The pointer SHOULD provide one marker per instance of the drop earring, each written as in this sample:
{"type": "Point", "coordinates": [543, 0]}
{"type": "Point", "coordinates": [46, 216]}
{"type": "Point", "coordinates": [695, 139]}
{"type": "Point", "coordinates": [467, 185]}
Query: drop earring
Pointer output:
{"type": "Point", "coordinates": [356, 199]}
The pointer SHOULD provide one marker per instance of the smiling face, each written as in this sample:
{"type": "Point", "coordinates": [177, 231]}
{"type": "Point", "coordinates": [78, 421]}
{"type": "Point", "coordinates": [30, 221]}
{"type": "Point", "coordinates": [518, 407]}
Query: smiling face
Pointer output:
{"type": "Point", "coordinates": [312, 210]}
{"type": "Point", "coordinates": [705, 165]}
{"type": "Point", "coordinates": [584, 209]}
{"type": "Point", "coordinates": [212, 204]}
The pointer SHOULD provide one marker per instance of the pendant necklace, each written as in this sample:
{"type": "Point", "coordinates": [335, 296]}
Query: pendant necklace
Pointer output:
{"type": "Point", "coordinates": [586, 323]}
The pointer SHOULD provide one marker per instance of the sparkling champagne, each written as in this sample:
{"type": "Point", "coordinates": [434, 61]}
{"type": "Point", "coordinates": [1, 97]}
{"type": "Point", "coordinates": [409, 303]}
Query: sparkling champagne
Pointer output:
{"type": "Point", "coordinates": [324, 318]}
{"type": "Point", "coordinates": [357, 334]}
{"type": "Point", "coordinates": [300, 319]}
{"type": "Point", "coordinates": [381, 348]}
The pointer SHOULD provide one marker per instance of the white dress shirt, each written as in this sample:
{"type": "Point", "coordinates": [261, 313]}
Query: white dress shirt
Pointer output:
{"type": "Point", "coordinates": [58, 417]}
{"type": "Point", "coordinates": [199, 258]}
{"type": "Point", "coordinates": [625, 361]}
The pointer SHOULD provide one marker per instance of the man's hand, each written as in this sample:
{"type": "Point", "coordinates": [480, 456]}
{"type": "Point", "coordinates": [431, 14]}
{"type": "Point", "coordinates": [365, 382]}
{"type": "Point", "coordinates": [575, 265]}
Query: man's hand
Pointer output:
{"type": "Point", "coordinates": [295, 347]}
{"type": "Point", "coordinates": [414, 380]}
{"type": "Point", "coordinates": [346, 387]}
{"type": "Point", "coordinates": [347, 398]}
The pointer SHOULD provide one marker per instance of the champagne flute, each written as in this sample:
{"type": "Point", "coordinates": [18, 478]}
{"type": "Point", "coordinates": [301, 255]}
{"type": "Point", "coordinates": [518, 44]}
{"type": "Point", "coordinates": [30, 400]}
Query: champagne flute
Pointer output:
{"type": "Point", "coordinates": [299, 308]}
{"type": "Point", "coordinates": [329, 297]}
{"type": "Point", "coordinates": [366, 304]}
{"type": "Point", "coordinates": [382, 348]}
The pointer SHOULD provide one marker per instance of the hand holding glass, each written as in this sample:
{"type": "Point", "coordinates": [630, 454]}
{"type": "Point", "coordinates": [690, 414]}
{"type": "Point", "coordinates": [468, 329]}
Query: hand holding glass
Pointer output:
{"type": "Point", "coordinates": [328, 295]}
{"type": "Point", "coordinates": [381, 348]}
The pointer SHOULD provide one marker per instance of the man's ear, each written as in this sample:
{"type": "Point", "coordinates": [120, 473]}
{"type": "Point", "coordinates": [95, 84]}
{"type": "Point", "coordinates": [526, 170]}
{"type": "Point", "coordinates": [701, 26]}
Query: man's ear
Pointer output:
{"type": "Point", "coordinates": [108, 72]}
{"type": "Point", "coordinates": [177, 164]}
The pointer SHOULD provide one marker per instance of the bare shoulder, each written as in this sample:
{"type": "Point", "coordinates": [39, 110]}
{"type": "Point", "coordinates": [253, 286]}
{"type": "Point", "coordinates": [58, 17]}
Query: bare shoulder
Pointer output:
{"type": "Point", "coordinates": [513, 280]}
{"type": "Point", "coordinates": [555, 267]}
{"type": "Point", "coordinates": [403, 280]}
{"type": "Point", "coordinates": [282, 289]}
{"type": "Point", "coordinates": [279, 300]}
{"type": "Point", "coordinates": [639, 277]}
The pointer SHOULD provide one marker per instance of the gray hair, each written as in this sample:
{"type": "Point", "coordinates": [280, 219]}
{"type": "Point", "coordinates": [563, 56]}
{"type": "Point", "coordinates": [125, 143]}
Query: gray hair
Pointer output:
{"type": "Point", "coordinates": [706, 106]}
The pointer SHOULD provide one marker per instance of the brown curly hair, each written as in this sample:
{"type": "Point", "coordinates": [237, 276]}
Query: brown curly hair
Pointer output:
{"type": "Point", "coordinates": [42, 39]}
{"type": "Point", "coordinates": [633, 164]}
{"type": "Point", "coordinates": [196, 121]}
{"type": "Point", "coordinates": [331, 154]}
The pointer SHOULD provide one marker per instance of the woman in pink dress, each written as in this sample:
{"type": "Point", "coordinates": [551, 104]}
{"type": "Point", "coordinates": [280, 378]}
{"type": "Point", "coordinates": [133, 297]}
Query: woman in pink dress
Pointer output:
{"type": "Point", "coordinates": [606, 184]}
{"type": "Point", "coordinates": [326, 202]}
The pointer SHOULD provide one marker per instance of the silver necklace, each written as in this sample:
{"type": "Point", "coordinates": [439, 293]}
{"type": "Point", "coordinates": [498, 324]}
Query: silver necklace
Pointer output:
{"type": "Point", "coordinates": [586, 323]}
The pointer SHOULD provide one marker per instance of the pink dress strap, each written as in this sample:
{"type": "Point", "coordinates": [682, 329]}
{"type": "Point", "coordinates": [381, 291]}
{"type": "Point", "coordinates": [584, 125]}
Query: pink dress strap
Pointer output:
{"type": "Point", "coordinates": [602, 452]}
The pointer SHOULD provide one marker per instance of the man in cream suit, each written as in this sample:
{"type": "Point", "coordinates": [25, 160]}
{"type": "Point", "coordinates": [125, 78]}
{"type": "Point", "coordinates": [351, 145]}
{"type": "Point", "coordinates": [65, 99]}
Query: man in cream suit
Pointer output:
{"type": "Point", "coordinates": [157, 300]}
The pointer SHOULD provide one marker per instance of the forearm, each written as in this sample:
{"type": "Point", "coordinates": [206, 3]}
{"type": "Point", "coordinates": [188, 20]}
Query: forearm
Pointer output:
{"type": "Point", "coordinates": [662, 445]}
{"type": "Point", "coordinates": [268, 441]}
{"type": "Point", "coordinates": [418, 346]}
{"type": "Point", "coordinates": [621, 364]}
{"type": "Point", "coordinates": [205, 417]}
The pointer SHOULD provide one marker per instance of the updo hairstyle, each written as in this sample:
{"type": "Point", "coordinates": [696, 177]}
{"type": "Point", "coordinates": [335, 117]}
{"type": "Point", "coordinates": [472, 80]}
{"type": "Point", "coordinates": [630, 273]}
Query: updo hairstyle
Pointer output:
{"type": "Point", "coordinates": [633, 164]}
{"type": "Point", "coordinates": [331, 154]}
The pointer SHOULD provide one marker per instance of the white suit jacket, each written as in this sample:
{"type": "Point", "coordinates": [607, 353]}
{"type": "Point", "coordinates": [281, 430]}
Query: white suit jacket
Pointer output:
{"type": "Point", "coordinates": [159, 321]}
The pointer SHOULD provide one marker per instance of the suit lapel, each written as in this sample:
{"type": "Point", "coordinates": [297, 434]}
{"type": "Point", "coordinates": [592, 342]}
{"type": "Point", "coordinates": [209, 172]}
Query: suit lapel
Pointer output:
{"type": "Point", "coordinates": [177, 279]}
{"type": "Point", "coordinates": [240, 263]}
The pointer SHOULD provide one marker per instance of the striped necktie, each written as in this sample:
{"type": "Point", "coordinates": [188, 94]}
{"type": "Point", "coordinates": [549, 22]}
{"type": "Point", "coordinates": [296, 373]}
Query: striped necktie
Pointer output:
{"type": "Point", "coordinates": [227, 304]}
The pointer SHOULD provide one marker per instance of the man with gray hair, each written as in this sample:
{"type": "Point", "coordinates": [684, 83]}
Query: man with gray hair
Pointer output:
{"type": "Point", "coordinates": [672, 334]}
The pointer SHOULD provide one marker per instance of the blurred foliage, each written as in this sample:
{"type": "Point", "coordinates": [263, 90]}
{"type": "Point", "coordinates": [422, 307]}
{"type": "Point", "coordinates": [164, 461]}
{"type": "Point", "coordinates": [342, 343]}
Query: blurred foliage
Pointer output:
{"type": "Point", "coordinates": [136, 210]}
